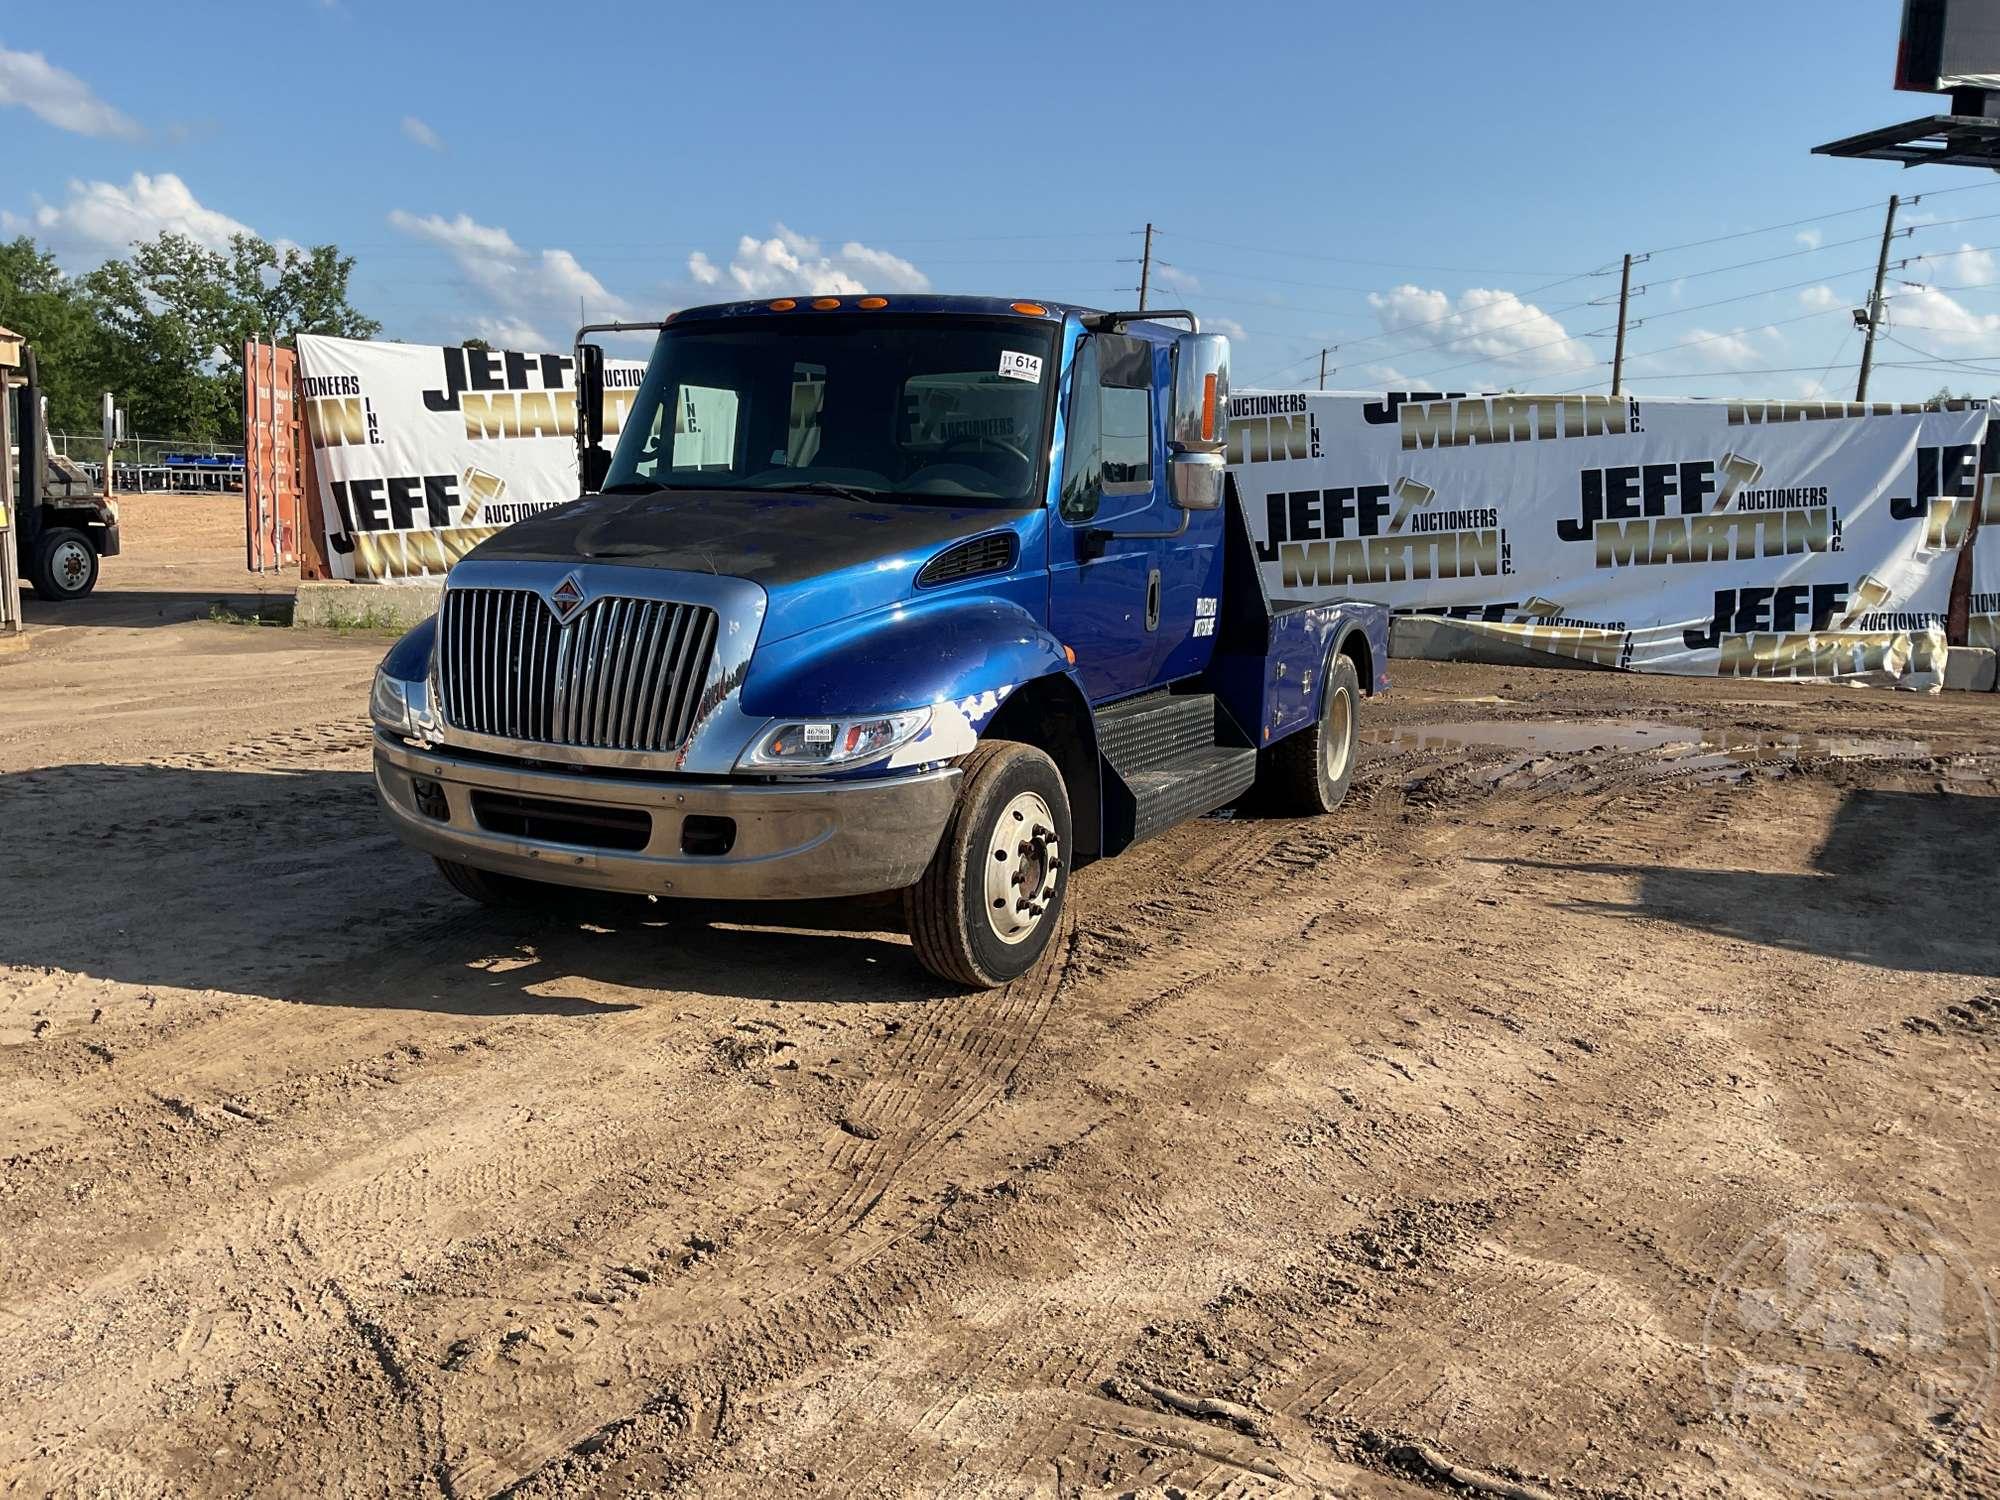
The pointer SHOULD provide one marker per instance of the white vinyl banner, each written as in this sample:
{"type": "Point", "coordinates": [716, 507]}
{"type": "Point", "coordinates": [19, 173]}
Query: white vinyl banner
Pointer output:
{"type": "Point", "coordinates": [1982, 626]}
{"type": "Point", "coordinates": [423, 452]}
{"type": "Point", "coordinates": [1732, 538]}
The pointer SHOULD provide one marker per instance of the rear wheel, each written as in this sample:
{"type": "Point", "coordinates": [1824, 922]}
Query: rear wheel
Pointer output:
{"type": "Point", "coordinates": [1308, 772]}
{"type": "Point", "coordinates": [64, 565]}
{"type": "Point", "coordinates": [985, 909]}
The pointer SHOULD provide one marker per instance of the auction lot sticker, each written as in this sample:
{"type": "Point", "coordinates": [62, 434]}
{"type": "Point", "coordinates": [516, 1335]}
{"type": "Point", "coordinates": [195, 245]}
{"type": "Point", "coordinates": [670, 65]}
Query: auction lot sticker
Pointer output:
{"type": "Point", "coordinates": [1849, 1349]}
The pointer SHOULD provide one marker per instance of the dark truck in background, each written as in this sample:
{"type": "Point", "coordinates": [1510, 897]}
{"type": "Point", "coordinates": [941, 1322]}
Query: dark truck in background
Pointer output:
{"type": "Point", "coordinates": [63, 526]}
{"type": "Point", "coordinates": [940, 595]}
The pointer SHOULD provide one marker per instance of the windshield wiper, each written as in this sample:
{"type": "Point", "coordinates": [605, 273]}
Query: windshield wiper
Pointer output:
{"type": "Point", "coordinates": [632, 487]}
{"type": "Point", "coordinates": [828, 487]}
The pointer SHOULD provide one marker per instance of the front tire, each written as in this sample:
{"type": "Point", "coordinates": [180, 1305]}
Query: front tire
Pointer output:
{"type": "Point", "coordinates": [64, 565]}
{"type": "Point", "coordinates": [1307, 773]}
{"type": "Point", "coordinates": [502, 892]}
{"type": "Point", "coordinates": [984, 911]}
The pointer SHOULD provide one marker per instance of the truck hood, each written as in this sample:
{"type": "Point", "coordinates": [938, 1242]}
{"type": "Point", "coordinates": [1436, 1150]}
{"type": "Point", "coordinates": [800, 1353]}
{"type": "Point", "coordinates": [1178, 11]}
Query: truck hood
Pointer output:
{"type": "Point", "coordinates": [818, 557]}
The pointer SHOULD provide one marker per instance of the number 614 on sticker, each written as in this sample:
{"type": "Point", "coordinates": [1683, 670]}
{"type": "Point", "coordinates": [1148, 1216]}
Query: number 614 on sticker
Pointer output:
{"type": "Point", "coordinates": [1021, 366]}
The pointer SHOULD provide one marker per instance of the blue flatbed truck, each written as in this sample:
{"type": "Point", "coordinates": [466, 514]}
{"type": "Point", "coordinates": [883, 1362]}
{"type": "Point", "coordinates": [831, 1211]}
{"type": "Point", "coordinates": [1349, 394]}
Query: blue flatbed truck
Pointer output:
{"type": "Point", "coordinates": [940, 595]}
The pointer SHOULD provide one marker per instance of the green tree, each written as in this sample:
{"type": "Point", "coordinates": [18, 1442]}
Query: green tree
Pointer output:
{"type": "Point", "coordinates": [53, 313]}
{"type": "Point", "coordinates": [165, 328]}
{"type": "Point", "coordinates": [179, 314]}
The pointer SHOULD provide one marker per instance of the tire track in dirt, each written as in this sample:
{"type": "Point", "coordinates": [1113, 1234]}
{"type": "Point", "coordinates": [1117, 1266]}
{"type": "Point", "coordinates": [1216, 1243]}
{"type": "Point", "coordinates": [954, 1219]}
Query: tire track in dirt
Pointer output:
{"type": "Point", "coordinates": [839, 1254]}
{"type": "Point", "coordinates": [1644, 807]}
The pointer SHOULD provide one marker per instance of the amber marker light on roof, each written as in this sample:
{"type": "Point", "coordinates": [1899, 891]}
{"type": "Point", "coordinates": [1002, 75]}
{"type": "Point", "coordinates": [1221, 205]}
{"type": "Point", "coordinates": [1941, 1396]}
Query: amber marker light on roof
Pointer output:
{"type": "Point", "coordinates": [783, 304]}
{"type": "Point", "coordinates": [823, 303]}
{"type": "Point", "coordinates": [871, 303]}
{"type": "Point", "coordinates": [1031, 309]}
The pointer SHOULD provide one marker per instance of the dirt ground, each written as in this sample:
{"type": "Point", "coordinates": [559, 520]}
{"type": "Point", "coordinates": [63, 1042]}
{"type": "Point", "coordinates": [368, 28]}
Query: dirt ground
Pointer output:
{"type": "Point", "coordinates": [1404, 1152]}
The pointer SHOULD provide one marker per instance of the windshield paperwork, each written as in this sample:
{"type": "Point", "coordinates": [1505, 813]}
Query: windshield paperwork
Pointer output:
{"type": "Point", "coordinates": [935, 410]}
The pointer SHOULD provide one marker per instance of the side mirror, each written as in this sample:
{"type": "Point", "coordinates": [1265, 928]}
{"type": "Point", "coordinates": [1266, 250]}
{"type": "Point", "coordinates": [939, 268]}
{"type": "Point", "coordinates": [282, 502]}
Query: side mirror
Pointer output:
{"type": "Point", "coordinates": [1198, 417]}
{"type": "Point", "coordinates": [591, 460]}
{"type": "Point", "coordinates": [1195, 480]}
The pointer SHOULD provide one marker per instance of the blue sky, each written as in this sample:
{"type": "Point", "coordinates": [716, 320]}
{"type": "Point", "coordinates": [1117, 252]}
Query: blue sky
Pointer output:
{"type": "Point", "coordinates": [1427, 186]}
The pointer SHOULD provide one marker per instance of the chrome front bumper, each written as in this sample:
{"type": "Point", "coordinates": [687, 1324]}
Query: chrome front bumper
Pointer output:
{"type": "Point", "coordinates": [790, 840]}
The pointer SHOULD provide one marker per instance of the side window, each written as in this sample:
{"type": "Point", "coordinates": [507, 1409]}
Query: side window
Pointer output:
{"type": "Point", "coordinates": [704, 429]}
{"type": "Point", "coordinates": [802, 429]}
{"type": "Point", "coordinates": [1083, 462]}
{"type": "Point", "coordinates": [1127, 439]}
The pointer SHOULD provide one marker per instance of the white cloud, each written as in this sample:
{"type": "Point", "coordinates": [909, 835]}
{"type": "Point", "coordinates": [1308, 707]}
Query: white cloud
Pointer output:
{"type": "Point", "coordinates": [1809, 238]}
{"type": "Point", "coordinates": [1482, 323]}
{"type": "Point", "coordinates": [1174, 279]}
{"type": "Point", "coordinates": [1819, 298]}
{"type": "Point", "coordinates": [31, 81]}
{"type": "Point", "coordinates": [1940, 323]}
{"type": "Point", "coordinates": [1968, 265]}
{"type": "Point", "coordinates": [422, 134]}
{"type": "Point", "coordinates": [792, 262]}
{"type": "Point", "coordinates": [101, 218]}
{"type": "Point", "coordinates": [1721, 351]}
{"type": "Point", "coordinates": [528, 291]}
{"type": "Point", "coordinates": [1227, 327]}
{"type": "Point", "coordinates": [1387, 377]}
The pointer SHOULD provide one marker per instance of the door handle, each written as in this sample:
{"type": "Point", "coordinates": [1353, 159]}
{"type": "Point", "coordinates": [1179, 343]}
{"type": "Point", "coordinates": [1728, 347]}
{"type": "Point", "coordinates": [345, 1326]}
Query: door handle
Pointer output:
{"type": "Point", "coordinates": [1153, 600]}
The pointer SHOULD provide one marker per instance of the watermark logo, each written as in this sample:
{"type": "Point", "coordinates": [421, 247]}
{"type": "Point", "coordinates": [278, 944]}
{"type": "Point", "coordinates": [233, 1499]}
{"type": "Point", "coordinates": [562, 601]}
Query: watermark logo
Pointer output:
{"type": "Point", "coordinates": [1850, 1349]}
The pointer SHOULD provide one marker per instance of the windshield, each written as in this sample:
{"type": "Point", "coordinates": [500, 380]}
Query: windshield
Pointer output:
{"type": "Point", "coordinates": [946, 410]}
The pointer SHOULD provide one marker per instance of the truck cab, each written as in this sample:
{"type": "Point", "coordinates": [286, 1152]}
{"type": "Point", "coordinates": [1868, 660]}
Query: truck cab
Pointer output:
{"type": "Point", "coordinates": [940, 595]}
{"type": "Point", "coordinates": [64, 523]}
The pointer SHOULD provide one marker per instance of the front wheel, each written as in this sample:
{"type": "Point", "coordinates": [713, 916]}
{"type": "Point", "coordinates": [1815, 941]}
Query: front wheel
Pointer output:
{"type": "Point", "coordinates": [64, 565]}
{"type": "Point", "coordinates": [503, 892]}
{"type": "Point", "coordinates": [1308, 772]}
{"type": "Point", "coordinates": [985, 909]}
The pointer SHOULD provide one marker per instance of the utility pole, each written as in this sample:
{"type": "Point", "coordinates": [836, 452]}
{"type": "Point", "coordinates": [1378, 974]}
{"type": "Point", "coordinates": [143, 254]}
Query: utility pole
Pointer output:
{"type": "Point", "coordinates": [1145, 268]}
{"type": "Point", "coordinates": [1618, 353]}
{"type": "Point", "coordinates": [1875, 302]}
{"type": "Point", "coordinates": [1322, 367]}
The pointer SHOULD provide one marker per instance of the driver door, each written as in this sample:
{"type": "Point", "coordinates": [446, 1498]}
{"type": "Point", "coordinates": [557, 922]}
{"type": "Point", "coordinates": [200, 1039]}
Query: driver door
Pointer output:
{"type": "Point", "coordinates": [1104, 586]}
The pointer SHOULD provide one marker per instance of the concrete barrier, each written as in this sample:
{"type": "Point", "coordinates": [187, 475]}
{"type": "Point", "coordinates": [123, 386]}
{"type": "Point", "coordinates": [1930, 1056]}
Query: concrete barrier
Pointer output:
{"type": "Point", "coordinates": [1970, 669]}
{"type": "Point", "coordinates": [1967, 669]}
{"type": "Point", "coordinates": [1433, 638]}
{"type": "Point", "coordinates": [366, 606]}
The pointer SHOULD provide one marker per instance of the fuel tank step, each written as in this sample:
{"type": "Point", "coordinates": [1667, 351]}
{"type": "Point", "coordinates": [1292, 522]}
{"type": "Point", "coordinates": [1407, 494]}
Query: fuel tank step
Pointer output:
{"type": "Point", "coordinates": [1173, 756]}
{"type": "Point", "coordinates": [1144, 733]}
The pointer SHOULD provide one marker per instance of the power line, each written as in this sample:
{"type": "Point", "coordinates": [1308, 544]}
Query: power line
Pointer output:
{"type": "Point", "coordinates": [1350, 260]}
{"type": "Point", "coordinates": [1956, 364]}
{"type": "Point", "coordinates": [1838, 213]}
{"type": "Point", "coordinates": [1742, 265]}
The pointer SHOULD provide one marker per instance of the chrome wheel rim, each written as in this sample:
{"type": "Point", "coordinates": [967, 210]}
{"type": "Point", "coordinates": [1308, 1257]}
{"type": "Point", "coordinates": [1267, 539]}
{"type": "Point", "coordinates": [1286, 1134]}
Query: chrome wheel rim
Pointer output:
{"type": "Point", "coordinates": [1023, 862]}
{"type": "Point", "coordinates": [69, 563]}
{"type": "Point", "coordinates": [1337, 737]}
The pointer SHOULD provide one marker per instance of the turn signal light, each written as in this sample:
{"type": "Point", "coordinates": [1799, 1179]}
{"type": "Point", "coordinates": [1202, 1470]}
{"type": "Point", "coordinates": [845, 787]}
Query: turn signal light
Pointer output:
{"type": "Point", "coordinates": [1031, 309]}
{"type": "Point", "coordinates": [823, 303]}
{"type": "Point", "coordinates": [783, 304]}
{"type": "Point", "coordinates": [1208, 408]}
{"type": "Point", "coordinates": [871, 303]}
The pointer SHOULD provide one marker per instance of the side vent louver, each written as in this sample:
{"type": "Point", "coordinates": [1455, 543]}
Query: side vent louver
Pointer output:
{"type": "Point", "coordinates": [983, 554]}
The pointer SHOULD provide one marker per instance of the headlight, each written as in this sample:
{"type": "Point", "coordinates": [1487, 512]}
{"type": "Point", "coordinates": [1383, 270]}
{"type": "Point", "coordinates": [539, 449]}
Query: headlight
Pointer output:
{"type": "Point", "coordinates": [401, 707]}
{"type": "Point", "coordinates": [826, 744]}
{"type": "Point", "coordinates": [387, 705]}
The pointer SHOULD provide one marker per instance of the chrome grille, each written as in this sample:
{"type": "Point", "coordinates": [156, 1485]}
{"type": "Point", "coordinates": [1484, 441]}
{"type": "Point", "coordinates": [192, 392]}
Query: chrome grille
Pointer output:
{"type": "Point", "coordinates": [623, 674]}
